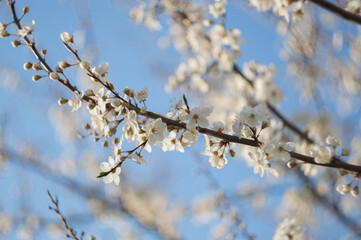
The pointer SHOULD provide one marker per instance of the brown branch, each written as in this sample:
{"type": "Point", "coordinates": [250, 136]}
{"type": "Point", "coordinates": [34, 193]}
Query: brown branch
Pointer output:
{"type": "Point", "coordinates": [348, 16]}
{"type": "Point", "coordinates": [335, 163]}
{"type": "Point", "coordinates": [332, 206]}
{"type": "Point", "coordinates": [71, 231]}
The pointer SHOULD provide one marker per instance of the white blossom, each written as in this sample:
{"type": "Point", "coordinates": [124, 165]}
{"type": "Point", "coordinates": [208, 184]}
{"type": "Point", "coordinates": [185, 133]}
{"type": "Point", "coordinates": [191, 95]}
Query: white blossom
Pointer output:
{"type": "Point", "coordinates": [113, 176]}
{"type": "Point", "coordinates": [279, 150]}
{"type": "Point", "coordinates": [354, 7]}
{"type": "Point", "coordinates": [197, 116]}
{"type": "Point", "coordinates": [322, 154]}
{"type": "Point", "coordinates": [172, 143]}
{"type": "Point", "coordinates": [216, 154]}
{"type": "Point", "coordinates": [253, 117]}
{"type": "Point", "coordinates": [76, 102]}
{"type": "Point", "coordinates": [332, 141]}
{"type": "Point", "coordinates": [155, 131]}
{"type": "Point", "coordinates": [190, 138]}
{"type": "Point", "coordinates": [27, 28]}
{"type": "Point", "coordinates": [260, 163]}
{"type": "Point", "coordinates": [289, 229]}
{"type": "Point", "coordinates": [131, 128]}
{"type": "Point", "coordinates": [137, 158]}
{"type": "Point", "coordinates": [101, 70]}
{"type": "Point", "coordinates": [218, 8]}
{"type": "Point", "coordinates": [142, 95]}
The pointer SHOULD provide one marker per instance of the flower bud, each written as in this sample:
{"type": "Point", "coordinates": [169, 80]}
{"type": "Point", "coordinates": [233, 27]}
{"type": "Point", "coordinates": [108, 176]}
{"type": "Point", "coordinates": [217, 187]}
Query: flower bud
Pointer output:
{"type": "Point", "coordinates": [115, 141]}
{"type": "Point", "coordinates": [63, 64]}
{"type": "Point", "coordinates": [247, 132]}
{"type": "Point", "coordinates": [105, 143]}
{"type": "Point", "coordinates": [4, 33]}
{"type": "Point", "coordinates": [58, 69]}
{"type": "Point", "coordinates": [129, 92]}
{"type": "Point", "coordinates": [116, 103]}
{"type": "Point", "coordinates": [143, 110]}
{"type": "Point", "coordinates": [346, 151]}
{"type": "Point", "coordinates": [37, 67]}
{"type": "Point", "coordinates": [86, 126]}
{"type": "Point", "coordinates": [66, 37]}
{"type": "Point", "coordinates": [28, 65]}
{"type": "Point", "coordinates": [15, 43]}
{"type": "Point", "coordinates": [62, 101]}
{"type": "Point", "coordinates": [84, 65]}
{"type": "Point", "coordinates": [343, 188]}
{"type": "Point", "coordinates": [91, 106]}
{"type": "Point", "coordinates": [54, 76]}
{"type": "Point", "coordinates": [355, 191]}
{"type": "Point", "coordinates": [36, 77]}
{"type": "Point", "coordinates": [265, 124]}
{"type": "Point", "coordinates": [89, 93]}
{"type": "Point", "coordinates": [332, 141]}
{"type": "Point", "coordinates": [232, 153]}
{"type": "Point", "coordinates": [43, 52]}
{"type": "Point", "coordinates": [291, 164]}
{"type": "Point", "coordinates": [26, 10]}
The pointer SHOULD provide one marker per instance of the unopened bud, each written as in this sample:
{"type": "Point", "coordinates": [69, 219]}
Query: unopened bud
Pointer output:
{"type": "Point", "coordinates": [28, 65]}
{"type": "Point", "coordinates": [265, 124]}
{"type": "Point", "coordinates": [105, 143]}
{"type": "Point", "coordinates": [66, 37]}
{"type": "Point", "coordinates": [54, 76]}
{"type": "Point", "coordinates": [232, 153]}
{"type": "Point", "coordinates": [115, 141]}
{"type": "Point", "coordinates": [62, 101]}
{"type": "Point", "coordinates": [343, 172]}
{"type": "Point", "coordinates": [86, 126]}
{"type": "Point", "coordinates": [355, 191]}
{"type": "Point", "coordinates": [63, 64]}
{"type": "Point", "coordinates": [4, 33]}
{"type": "Point", "coordinates": [143, 110]}
{"type": "Point", "coordinates": [36, 77]}
{"type": "Point", "coordinates": [343, 188]}
{"type": "Point", "coordinates": [15, 43]}
{"type": "Point", "coordinates": [84, 65]}
{"type": "Point", "coordinates": [116, 103]}
{"type": "Point", "coordinates": [91, 106]}
{"type": "Point", "coordinates": [346, 151]}
{"type": "Point", "coordinates": [89, 92]}
{"type": "Point", "coordinates": [291, 164]}
{"type": "Point", "coordinates": [37, 67]}
{"type": "Point", "coordinates": [247, 132]}
{"type": "Point", "coordinates": [58, 69]}
{"type": "Point", "coordinates": [43, 52]}
{"type": "Point", "coordinates": [26, 9]}
{"type": "Point", "coordinates": [129, 92]}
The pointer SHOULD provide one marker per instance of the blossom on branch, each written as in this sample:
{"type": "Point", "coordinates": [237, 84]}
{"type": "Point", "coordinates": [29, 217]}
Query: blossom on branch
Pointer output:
{"type": "Point", "coordinates": [27, 28]}
{"type": "Point", "coordinates": [113, 176]}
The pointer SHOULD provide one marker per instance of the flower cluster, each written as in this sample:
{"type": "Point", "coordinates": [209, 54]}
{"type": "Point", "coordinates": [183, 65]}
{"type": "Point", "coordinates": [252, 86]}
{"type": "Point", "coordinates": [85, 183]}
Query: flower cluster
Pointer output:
{"type": "Point", "coordinates": [281, 8]}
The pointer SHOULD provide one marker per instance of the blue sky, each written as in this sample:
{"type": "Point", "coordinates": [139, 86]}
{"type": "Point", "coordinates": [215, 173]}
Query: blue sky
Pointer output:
{"type": "Point", "coordinates": [134, 60]}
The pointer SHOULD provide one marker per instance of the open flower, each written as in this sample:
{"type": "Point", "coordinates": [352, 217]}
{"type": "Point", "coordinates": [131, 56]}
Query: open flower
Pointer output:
{"type": "Point", "coordinates": [142, 95]}
{"type": "Point", "coordinates": [113, 176]}
{"type": "Point", "coordinates": [155, 131]}
{"type": "Point", "coordinates": [27, 28]}
{"type": "Point", "coordinates": [197, 116]}
{"type": "Point", "coordinates": [101, 70]}
{"type": "Point", "coordinates": [322, 154]}
{"type": "Point", "coordinates": [76, 102]}
{"type": "Point", "coordinates": [253, 116]}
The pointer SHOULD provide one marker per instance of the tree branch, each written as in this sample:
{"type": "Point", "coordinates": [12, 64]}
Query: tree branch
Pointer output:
{"type": "Point", "coordinates": [338, 11]}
